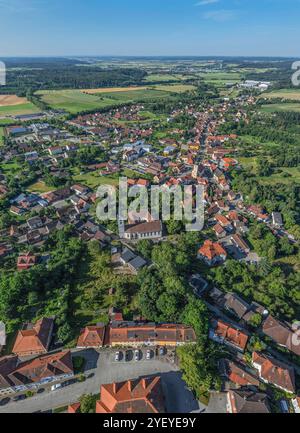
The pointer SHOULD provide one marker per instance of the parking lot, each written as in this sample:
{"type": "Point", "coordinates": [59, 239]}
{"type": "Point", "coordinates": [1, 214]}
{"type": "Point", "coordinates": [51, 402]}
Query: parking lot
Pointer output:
{"type": "Point", "coordinates": [142, 355]}
{"type": "Point", "coordinates": [102, 368]}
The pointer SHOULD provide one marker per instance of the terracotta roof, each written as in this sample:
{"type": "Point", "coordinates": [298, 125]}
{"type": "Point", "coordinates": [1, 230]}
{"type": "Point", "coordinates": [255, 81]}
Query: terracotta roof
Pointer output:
{"type": "Point", "coordinates": [33, 371]}
{"type": "Point", "coordinates": [281, 334]}
{"type": "Point", "coordinates": [210, 250]}
{"type": "Point", "coordinates": [222, 220]}
{"type": "Point", "coordinates": [275, 372]}
{"type": "Point", "coordinates": [74, 408]}
{"type": "Point", "coordinates": [130, 332]}
{"type": "Point", "coordinates": [231, 335]}
{"type": "Point", "coordinates": [140, 396]}
{"type": "Point", "coordinates": [91, 336]}
{"type": "Point", "coordinates": [236, 373]}
{"type": "Point", "coordinates": [34, 338]}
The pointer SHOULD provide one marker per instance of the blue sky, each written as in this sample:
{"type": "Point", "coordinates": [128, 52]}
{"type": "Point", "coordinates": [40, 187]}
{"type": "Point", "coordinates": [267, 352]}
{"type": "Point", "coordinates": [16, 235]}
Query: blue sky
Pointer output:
{"type": "Point", "coordinates": [149, 27]}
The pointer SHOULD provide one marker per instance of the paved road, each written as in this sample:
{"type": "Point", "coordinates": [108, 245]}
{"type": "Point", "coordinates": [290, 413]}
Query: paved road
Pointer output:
{"type": "Point", "coordinates": [106, 370]}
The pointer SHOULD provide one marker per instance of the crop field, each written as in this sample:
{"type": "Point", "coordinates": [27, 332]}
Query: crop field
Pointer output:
{"type": "Point", "coordinates": [11, 105]}
{"type": "Point", "coordinates": [292, 94]}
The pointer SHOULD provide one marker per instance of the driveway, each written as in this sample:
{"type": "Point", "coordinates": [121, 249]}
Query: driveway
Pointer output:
{"type": "Point", "coordinates": [104, 369]}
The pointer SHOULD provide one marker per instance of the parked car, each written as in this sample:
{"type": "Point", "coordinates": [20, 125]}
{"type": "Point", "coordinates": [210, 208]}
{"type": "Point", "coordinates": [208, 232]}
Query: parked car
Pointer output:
{"type": "Point", "coordinates": [284, 406]}
{"type": "Point", "coordinates": [128, 355]}
{"type": "Point", "coordinates": [20, 397]}
{"type": "Point", "coordinates": [137, 355]}
{"type": "Point", "coordinates": [148, 355]}
{"type": "Point", "coordinates": [117, 356]}
{"type": "Point", "coordinates": [56, 386]}
{"type": "Point", "coordinates": [4, 401]}
{"type": "Point", "coordinates": [162, 351]}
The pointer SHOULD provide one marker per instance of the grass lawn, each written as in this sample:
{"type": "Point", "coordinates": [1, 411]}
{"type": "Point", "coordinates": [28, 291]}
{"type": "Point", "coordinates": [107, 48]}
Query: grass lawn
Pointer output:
{"type": "Point", "coordinates": [40, 187]}
{"type": "Point", "coordinates": [93, 179]}
{"type": "Point", "coordinates": [10, 167]}
{"type": "Point", "coordinates": [7, 122]}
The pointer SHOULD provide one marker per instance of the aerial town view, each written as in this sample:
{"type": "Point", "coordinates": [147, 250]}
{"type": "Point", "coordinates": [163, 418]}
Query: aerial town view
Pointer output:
{"type": "Point", "coordinates": [149, 208]}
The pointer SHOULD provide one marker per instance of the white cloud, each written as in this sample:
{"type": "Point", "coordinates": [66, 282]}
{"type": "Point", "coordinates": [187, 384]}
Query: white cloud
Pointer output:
{"type": "Point", "coordinates": [206, 2]}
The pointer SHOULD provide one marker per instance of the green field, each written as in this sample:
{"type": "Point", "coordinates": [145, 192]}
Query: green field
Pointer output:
{"type": "Point", "coordinates": [273, 108]}
{"type": "Point", "coordinates": [14, 110]}
{"type": "Point", "coordinates": [175, 88]}
{"type": "Point", "coordinates": [73, 101]}
{"type": "Point", "coordinates": [93, 180]}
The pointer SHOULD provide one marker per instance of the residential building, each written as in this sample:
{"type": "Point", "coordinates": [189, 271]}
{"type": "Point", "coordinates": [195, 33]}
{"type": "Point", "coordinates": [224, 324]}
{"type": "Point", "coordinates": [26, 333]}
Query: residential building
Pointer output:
{"type": "Point", "coordinates": [134, 396]}
{"type": "Point", "coordinates": [34, 339]}
{"type": "Point", "coordinates": [212, 253]}
{"type": "Point", "coordinates": [16, 376]}
{"type": "Point", "coordinates": [146, 230]}
{"type": "Point", "coordinates": [239, 401]}
{"type": "Point", "coordinates": [134, 334]}
{"type": "Point", "coordinates": [91, 337]}
{"type": "Point", "coordinates": [281, 334]}
{"type": "Point", "coordinates": [274, 372]}
{"type": "Point", "coordinates": [224, 333]}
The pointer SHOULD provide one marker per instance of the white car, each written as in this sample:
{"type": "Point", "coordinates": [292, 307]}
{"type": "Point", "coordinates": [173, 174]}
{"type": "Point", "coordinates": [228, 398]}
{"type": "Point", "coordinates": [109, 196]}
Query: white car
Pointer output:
{"type": "Point", "coordinates": [117, 357]}
{"type": "Point", "coordinates": [148, 355]}
{"type": "Point", "coordinates": [55, 387]}
{"type": "Point", "coordinates": [137, 355]}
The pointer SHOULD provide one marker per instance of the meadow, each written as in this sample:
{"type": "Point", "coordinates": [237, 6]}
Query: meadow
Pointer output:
{"type": "Point", "coordinates": [284, 106]}
{"type": "Point", "coordinates": [75, 101]}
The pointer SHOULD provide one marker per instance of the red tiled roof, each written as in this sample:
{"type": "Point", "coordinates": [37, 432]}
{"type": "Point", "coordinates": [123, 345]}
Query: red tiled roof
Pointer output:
{"type": "Point", "coordinates": [142, 396]}
{"type": "Point", "coordinates": [34, 338]}
{"type": "Point", "coordinates": [91, 336]}
{"type": "Point", "coordinates": [210, 250]}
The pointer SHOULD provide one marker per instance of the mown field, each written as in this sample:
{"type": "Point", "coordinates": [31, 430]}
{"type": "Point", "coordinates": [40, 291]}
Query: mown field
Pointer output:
{"type": "Point", "coordinates": [291, 94]}
{"type": "Point", "coordinates": [273, 108]}
{"type": "Point", "coordinates": [40, 187]}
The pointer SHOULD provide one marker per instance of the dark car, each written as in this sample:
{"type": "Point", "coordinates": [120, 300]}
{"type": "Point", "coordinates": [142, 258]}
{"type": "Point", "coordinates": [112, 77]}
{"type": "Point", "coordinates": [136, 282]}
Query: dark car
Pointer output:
{"type": "Point", "coordinates": [4, 401]}
{"type": "Point", "coordinates": [19, 397]}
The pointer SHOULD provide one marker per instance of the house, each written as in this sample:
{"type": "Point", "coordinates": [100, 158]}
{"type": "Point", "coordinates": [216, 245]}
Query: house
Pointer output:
{"type": "Point", "coordinates": [26, 261]}
{"type": "Point", "coordinates": [239, 243]}
{"type": "Point", "coordinates": [219, 231]}
{"type": "Point", "coordinates": [274, 372]}
{"type": "Point", "coordinates": [223, 333]}
{"type": "Point", "coordinates": [239, 401]}
{"type": "Point", "coordinates": [134, 396]}
{"type": "Point", "coordinates": [281, 334]}
{"type": "Point", "coordinates": [237, 373]}
{"type": "Point", "coordinates": [212, 253]}
{"type": "Point", "coordinates": [34, 223]}
{"type": "Point", "coordinates": [34, 339]}
{"type": "Point", "coordinates": [236, 305]}
{"type": "Point", "coordinates": [17, 376]}
{"type": "Point", "coordinates": [80, 189]}
{"type": "Point", "coordinates": [146, 230]}
{"type": "Point", "coordinates": [136, 334]}
{"type": "Point", "coordinates": [277, 220]}
{"type": "Point", "coordinates": [91, 337]}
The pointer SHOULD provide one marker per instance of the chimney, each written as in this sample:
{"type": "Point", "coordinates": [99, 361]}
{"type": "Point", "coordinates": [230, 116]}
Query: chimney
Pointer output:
{"type": "Point", "coordinates": [144, 383]}
{"type": "Point", "coordinates": [130, 385]}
